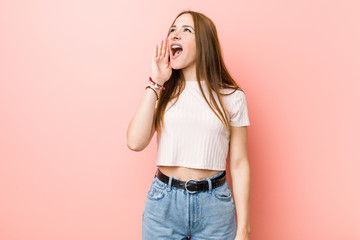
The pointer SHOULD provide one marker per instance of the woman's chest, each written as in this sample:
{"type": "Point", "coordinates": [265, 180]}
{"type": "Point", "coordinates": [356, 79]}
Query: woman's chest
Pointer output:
{"type": "Point", "coordinates": [191, 114]}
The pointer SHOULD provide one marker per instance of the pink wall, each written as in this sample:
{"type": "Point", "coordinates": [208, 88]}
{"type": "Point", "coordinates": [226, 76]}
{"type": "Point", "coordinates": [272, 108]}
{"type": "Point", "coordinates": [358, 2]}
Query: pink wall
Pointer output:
{"type": "Point", "coordinates": [73, 72]}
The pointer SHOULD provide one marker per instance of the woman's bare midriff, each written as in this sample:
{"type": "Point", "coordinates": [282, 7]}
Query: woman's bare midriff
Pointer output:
{"type": "Point", "coordinates": [184, 173]}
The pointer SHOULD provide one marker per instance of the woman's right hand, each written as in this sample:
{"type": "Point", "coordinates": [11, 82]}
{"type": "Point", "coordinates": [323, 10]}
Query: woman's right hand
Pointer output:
{"type": "Point", "coordinates": [160, 66]}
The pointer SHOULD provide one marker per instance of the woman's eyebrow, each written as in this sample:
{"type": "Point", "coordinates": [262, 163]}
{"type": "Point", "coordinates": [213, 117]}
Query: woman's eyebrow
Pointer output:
{"type": "Point", "coordinates": [183, 26]}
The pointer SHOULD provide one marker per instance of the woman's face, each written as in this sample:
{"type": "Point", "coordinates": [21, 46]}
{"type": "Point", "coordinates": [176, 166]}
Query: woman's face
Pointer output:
{"type": "Point", "coordinates": [182, 32]}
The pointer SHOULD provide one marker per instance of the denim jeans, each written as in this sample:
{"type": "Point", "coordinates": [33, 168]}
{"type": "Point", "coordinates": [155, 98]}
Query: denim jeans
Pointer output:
{"type": "Point", "coordinates": [173, 213]}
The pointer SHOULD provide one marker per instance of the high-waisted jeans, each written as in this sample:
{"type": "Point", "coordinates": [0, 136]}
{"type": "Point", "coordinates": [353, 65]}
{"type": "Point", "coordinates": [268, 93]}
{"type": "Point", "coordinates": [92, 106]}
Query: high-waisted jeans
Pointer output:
{"type": "Point", "coordinates": [172, 213]}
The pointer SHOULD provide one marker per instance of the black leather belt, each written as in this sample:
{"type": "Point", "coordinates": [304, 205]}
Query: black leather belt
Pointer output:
{"type": "Point", "coordinates": [193, 186]}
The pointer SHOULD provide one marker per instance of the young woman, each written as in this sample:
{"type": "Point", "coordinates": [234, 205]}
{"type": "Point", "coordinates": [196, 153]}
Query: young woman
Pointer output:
{"type": "Point", "coordinates": [199, 113]}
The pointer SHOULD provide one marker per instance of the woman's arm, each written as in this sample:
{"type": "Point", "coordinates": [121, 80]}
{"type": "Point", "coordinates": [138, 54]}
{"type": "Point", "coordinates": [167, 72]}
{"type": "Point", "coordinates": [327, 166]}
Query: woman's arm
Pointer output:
{"type": "Point", "coordinates": [240, 178]}
{"type": "Point", "coordinates": [141, 128]}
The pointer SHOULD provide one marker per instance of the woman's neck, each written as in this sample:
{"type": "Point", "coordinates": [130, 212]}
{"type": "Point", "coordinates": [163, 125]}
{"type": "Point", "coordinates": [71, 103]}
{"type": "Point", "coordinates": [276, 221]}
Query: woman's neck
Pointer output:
{"type": "Point", "coordinates": [189, 73]}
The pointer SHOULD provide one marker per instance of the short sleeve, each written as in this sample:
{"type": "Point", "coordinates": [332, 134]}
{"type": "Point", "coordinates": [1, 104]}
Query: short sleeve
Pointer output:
{"type": "Point", "coordinates": [238, 110]}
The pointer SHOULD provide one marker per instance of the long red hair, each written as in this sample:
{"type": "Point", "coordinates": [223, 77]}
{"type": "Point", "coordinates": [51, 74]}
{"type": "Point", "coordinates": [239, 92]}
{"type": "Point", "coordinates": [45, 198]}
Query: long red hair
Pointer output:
{"type": "Point", "coordinates": [209, 67]}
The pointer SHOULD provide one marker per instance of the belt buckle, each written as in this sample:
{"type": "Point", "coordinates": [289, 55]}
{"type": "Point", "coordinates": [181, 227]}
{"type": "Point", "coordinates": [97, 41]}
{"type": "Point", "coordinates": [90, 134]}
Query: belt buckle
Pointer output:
{"type": "Point", "coordinates": [187, 189]}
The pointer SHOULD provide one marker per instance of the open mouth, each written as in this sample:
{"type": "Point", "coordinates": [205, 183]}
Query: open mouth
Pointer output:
{"type": "Point", "coordinates": [176, 51]}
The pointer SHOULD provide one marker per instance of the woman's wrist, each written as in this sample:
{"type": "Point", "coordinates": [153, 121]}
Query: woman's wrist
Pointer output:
{"type": "Point", "coordinates": [243, 230]}
{"type": "Point", "coordinates": [156, 91]}
{"type": "Point", "coordinates": [155, 84]}
{"type": "Point", "coordinates": [155, 87]}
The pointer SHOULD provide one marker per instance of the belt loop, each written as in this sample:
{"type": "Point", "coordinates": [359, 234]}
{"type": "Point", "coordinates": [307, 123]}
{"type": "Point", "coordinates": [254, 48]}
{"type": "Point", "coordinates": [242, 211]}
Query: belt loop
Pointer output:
{"type": "Point", "coordinates": [210, 185]}
{"type": "Point", "coordinates": [169, 183]}
{"type": "Point", "coordinates": [156, 172]}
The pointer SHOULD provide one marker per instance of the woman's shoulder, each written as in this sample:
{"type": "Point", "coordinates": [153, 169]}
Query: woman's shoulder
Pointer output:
{"type": "Point", "coordinates": [231, 93]}
{"type": "Point", "coordinates": [236, 105]}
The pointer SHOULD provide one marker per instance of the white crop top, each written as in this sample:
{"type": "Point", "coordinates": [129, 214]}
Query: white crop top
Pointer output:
{"type": "Point", "coordinates": [194, 136]}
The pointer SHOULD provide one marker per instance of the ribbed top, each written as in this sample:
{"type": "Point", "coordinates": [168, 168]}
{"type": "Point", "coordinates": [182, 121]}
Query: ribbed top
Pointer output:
{"type": "Point", "coordinates": [194, 136]}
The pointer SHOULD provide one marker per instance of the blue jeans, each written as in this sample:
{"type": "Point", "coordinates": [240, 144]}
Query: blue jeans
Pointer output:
{"type": "Point", "coordinates": [173, 213]}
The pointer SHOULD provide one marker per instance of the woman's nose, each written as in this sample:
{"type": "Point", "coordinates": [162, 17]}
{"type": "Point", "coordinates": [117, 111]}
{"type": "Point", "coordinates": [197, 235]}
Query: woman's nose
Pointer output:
{"type": "Point", "coordinates": [175, 35]}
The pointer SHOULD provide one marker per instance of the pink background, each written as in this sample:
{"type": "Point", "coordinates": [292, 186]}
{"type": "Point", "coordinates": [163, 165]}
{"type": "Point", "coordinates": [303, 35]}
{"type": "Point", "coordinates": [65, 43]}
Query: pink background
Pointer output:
{"type": "Point", "coordinates": [72, 74]}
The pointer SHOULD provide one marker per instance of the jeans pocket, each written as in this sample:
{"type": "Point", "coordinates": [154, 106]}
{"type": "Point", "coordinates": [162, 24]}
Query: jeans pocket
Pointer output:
{"type": "Point", "coordinates": [157, 190]}
{"type": "Point", "coordinates": [223, 192]}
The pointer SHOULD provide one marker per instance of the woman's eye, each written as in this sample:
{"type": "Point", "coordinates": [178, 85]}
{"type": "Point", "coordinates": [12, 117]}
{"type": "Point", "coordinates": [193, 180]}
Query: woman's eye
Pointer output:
{"type": "Point", "coordinates": [171, 30]}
